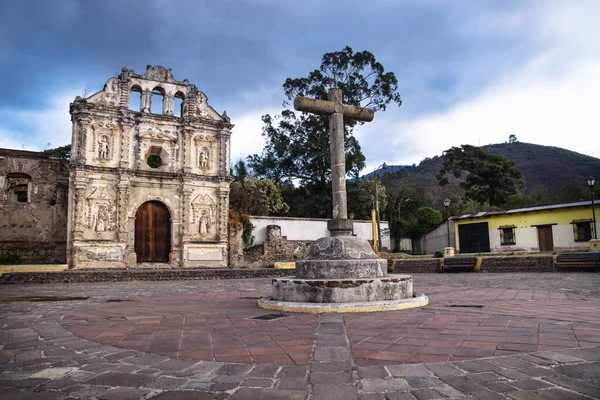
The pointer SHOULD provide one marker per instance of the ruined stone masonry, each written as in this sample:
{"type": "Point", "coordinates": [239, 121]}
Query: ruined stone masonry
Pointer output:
{"type": "Point", "coordinates": [33, 206]}
{"type": "Point", "coordinates": [149, 181]}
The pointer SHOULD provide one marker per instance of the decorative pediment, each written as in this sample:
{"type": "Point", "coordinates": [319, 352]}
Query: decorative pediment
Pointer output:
{"type": "Point", "coordinates": [109, 95]}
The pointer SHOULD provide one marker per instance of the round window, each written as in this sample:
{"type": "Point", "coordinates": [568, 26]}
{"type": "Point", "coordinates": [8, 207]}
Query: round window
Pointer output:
{"type": "Point", "coordinates": [154, 161]}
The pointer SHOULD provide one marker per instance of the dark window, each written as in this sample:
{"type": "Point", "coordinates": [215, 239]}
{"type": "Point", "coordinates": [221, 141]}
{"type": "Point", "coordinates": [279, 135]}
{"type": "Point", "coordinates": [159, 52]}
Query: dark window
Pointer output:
{"type": "Point", "coordinates": [507, 235]}
{"type": "Point", "coordinates": [21, 194]}
{"type": "Point", "coordinates": [582, 230]}
{"type": "Point", "coordinates": [17, 187]}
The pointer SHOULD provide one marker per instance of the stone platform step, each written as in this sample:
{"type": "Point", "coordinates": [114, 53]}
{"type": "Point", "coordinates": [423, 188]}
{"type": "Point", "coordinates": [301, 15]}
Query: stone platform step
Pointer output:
{"type": "Point", "coordinates": [123, 275]}
{"type": "Point", "coordinates": [33, 268]}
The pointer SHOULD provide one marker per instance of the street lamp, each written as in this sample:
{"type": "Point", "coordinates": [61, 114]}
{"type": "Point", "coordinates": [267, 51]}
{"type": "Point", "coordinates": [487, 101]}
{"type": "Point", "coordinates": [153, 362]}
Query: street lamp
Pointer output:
{"type": "Point", "coordinates": [447, 204]}
{"type": "Point", "coordinates": [591, 181]}
{"type": "Point", "coordinates": [378, 247]}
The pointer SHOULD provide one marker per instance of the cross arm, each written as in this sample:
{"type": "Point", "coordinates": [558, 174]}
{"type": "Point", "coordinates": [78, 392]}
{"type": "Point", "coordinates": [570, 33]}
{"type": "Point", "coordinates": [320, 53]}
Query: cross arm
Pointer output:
{"type": "Point", "coordinates": [328, 107]}
{"type": "Point", "coordinates": [315, 106]}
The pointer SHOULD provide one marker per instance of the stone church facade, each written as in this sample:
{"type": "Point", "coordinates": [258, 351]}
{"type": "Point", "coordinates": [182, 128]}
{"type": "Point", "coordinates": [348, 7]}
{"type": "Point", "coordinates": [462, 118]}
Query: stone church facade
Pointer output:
{"type": "Point", "coordinates": [149, 175]}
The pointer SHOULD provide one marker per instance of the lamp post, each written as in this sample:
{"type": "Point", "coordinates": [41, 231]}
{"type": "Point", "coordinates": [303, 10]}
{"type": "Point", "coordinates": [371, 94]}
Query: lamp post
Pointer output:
{"type": "Point", "coordinates": [591, 181]}
{"type": "Point", "coordinates": [447, 204]}
{"type": "Point", "coordinates": [378, 247]}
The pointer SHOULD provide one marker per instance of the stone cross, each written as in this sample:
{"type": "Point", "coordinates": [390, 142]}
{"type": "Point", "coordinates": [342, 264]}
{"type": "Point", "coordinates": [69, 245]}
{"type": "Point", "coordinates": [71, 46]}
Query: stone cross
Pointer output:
{"type": "Point", "coordinates": [337, 111]}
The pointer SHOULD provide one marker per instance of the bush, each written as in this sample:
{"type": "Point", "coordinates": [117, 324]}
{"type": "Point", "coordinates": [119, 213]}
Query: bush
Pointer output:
{"type": "Point", "coordinates": [438, 254]}
{"type": "Point", "coordinates": [10, 259]}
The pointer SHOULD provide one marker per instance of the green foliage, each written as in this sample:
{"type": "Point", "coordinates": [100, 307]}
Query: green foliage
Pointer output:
{"type": "Point", "coordinates": [257, 196]}
{"type": "Point", "coordinates": [247, 236]}
{"type": "Point", "coordinates": [297, 145]}
{"type": "Point", "coordinates": [490, 178]}
{"type": "Point", "coordinates": [62, 151]}
{"type": "Point", "coordinates": [361, 198]}
{"type": "Point", "coordinates": [438, 254]}
{"type": "Point", "coordinates": [240, 221]}
{"type": "Point", "coordinates": [460, 205]}
{"type": "Point", "coordinates": [10, 259]}
{"type": "Point", "coordinates": [536, 198]}
{"type": "Point", "coordinates": [422, 221]}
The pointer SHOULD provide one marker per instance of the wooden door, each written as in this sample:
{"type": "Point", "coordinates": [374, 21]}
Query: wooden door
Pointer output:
{"type": "Point", "coordinates": [545, 239]}
{"type": "Point", "coordinates": [152, 232]}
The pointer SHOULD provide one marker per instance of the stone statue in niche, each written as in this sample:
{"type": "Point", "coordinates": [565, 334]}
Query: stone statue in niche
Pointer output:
{"type": "Point", "coordinates": [203, 159]}
{"type": "Point", "coordinates": [204, 223]}
{"type": "Point", "coordinates": [101, 212]}
{"type": "Point", "coordinates": [103, 148]}
{"type": "Point", "coordinates": [102, 219]}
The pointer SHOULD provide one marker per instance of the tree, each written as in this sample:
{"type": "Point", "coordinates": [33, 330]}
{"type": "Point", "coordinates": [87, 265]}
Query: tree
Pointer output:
{"type": "Point", "coordinates": [490, 178]}
{"type": "Point", "coordinates": [424, 220]}
{"type": "Point", "coordinates": [251, 195]}
{"type": "Point", "coordinates": [297, 144]}
{"type": "Point", "coordinates": [62, 151]}
{"type": "Point", "coordinates": [361, 198]}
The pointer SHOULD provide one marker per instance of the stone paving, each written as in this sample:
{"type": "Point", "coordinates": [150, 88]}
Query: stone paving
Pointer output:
{"type": "Point", "coordinates": [514, 336]}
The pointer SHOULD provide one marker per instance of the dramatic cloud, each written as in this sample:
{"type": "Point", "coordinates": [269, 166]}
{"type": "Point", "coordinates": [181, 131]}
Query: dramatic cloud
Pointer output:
{"type": "Point", "coordinates": [470, 72]}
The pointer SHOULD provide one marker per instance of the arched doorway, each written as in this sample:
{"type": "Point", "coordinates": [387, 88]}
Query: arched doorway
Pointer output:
{"type": "Point", "coordinates": [152, 232]}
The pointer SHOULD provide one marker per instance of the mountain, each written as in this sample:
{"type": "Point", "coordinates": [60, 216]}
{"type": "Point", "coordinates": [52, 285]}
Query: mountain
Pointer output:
{"type": "Point", "coordinates": [552, 168]}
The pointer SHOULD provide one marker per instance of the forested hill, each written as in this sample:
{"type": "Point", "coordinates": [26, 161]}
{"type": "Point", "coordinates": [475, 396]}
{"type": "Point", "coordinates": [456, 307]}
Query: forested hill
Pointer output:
{"type": "Point", "coordinates": [552, 168]}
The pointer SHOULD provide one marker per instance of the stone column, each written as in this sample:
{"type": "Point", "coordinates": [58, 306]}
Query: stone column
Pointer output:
{"type": "Point", "coordinates": [146, 101]}
{"type": "Point", "coordinates": [122, 204]}
{"type": "Point", "coordinates": [223, 213]}
{"type": "Point", "coordinates": [186, 210]}
{"type": "Point", "coordinates": [338, 156]}
{"type": "Point", "coordinates": [168, 105]}
{"type": "Point", "coordinates": [80, 185]}
{"type": "Point", "coordinates": [186, 149]}
{"type": "Point", "coordinates": [127, 132]}
{"type": "Point", "coordinates": [223, 143]}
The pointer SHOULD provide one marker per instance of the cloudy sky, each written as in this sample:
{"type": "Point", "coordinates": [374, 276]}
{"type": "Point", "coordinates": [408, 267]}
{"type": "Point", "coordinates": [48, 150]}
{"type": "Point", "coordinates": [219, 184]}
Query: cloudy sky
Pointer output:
{"type": "Point", "coordinates": [470, 71]}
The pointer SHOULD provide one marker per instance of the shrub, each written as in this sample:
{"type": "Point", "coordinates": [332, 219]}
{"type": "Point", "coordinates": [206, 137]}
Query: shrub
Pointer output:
{"type": "Point", "coordinates": [438, 254]}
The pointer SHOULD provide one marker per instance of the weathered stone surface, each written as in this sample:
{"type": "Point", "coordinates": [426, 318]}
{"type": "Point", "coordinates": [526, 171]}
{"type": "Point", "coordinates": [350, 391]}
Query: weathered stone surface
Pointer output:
{"type": "Point", "coordinates": [124, 157]}
{"type": "Point", "coordinates": [393, 287]}
{"type": "Point", "coordinates": [33, 206]}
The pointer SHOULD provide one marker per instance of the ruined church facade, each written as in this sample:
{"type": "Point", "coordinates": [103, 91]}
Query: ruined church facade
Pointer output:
{"type": "Point", "coordinates": [149, 175]}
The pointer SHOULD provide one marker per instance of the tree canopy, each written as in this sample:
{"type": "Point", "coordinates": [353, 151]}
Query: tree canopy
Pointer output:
{"type": "Point", "coordinates": [251, 195]}
{"type": "Point", "coordinates": [490, 178]}
{"type": "Point", "coordinates": [296, 152]}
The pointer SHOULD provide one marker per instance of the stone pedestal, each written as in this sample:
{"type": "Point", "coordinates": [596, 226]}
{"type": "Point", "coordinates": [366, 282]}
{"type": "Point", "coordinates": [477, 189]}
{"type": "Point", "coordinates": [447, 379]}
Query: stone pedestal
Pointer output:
{"type": "Point", "coordinates": [595, 245]}
{"type": "Point", "coordinates": [342, 274]}
{"type": "Point", "coordinates": [448, 251]}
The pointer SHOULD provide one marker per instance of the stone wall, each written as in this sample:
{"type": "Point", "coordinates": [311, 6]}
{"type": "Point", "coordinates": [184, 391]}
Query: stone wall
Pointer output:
{"type": "Point", "coordinates": [405, 266]}
{"type": "Point", "coordinates": [517, 264]}
{"type": "Point", "coordinates": [33, 206]}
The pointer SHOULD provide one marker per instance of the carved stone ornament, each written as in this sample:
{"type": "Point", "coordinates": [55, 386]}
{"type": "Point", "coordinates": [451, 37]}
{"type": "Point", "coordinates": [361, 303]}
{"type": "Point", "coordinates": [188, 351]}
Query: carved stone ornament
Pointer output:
{"type": "Point", "coordinates": [204, 214]}
{"type": "Point", "coordinates": [103, 148]}
{"type": "Point", "coordinates": [158, 73]}
{"type": "Point", "coordinates": [101, 215]}
{"type": "Point", "coordinates": [104, 141]}
{"type": "Point", "coordinates": [204, 158]}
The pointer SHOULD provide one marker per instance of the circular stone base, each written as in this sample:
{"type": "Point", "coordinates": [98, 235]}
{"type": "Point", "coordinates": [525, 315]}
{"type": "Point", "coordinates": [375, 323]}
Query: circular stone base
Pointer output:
{"type": "Point", "coordinates": [390, 288]}
{"type": "Point", "coordinates": [418, 300]}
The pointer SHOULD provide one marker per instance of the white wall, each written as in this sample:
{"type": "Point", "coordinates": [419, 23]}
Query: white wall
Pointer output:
{"type": "Point", "coordinates": [311, 229]}
{"type": "Point", "coordinates": [436, 239]}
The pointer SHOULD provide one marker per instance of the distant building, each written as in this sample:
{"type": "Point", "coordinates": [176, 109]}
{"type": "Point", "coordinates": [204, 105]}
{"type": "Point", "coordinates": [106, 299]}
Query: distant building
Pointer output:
{"type": "Point", "coordinates": [555, 227]}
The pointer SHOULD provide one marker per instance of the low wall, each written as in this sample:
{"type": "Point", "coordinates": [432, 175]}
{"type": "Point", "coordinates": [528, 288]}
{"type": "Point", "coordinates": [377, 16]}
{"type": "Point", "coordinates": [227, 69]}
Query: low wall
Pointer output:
{"type": "Point", "coordinates": [517, 264]}
{"type": "Point", "coordinates": [120, 275]}
{"type": "Point", "coordinates": [32, 252]}
{"type": "Point", "coordinates": [310, 229]}
{"type": "Point", "coordinates": [407, 265]}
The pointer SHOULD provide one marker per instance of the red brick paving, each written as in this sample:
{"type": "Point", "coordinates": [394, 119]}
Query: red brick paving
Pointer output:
{"type": "Point", "coordinates": [214, 326]}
